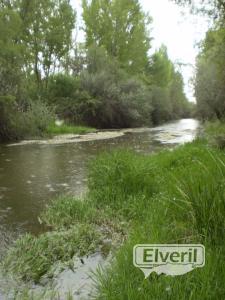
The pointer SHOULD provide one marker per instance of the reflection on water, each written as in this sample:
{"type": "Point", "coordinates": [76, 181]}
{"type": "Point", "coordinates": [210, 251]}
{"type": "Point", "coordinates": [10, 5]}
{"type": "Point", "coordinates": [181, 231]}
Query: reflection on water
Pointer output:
{"type": "Point", "coordinates": [180, 132]}
{"type": "Point", "coordinates": [30, 175]}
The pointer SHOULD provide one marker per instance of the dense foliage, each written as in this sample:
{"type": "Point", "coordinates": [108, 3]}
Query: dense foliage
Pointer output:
{"type": "Point", "coordinates": [110, 81]}
{"type": "Point", "coordinates": [119, 26]}
{"type": "Point", "coordinates": [210, 75]}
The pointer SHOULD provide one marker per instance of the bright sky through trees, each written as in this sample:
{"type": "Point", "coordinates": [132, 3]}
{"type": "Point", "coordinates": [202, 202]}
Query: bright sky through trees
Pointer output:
{"type": "Point", "coordinates": [174, 27]}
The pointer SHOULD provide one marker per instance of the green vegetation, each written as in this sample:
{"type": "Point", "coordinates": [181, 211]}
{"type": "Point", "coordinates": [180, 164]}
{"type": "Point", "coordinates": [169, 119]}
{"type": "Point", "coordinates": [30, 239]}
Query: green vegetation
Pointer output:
{"type": "Point", "coordinates": [63, 129]}
{"type": "Point", "coordinates": [121, 28]}
{"type": "Point", "coordinates": [110, 81]}
{"type": "Point", "coordinates": [209, 87]}
{"type": "Point", "coordinates": [78, 228]}
{"type": "Point", "coordinates": [209, 77]}
{"type": "Point", "coordinates": [170, 197]}
{"type": "Point", "coordinates": [34, 36]}
{"type": "Point", "coordinates": [37, 255]}
{"type": "Point", "coordinates": [33, 122]}
{"type": "Point", "coordinates": [179, 200]}
{"type": "Point", "coordinates": [215, 133]}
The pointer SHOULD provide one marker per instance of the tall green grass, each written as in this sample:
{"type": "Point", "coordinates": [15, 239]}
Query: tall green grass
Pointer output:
{"type": "Point", "coordinates": [186, 204]}
{"type": "Point", "coordinates": [169, 197]}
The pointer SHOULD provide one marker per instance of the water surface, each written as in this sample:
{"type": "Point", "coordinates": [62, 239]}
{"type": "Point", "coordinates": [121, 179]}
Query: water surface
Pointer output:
{"type": "Point", "coordinates": [32, 174]}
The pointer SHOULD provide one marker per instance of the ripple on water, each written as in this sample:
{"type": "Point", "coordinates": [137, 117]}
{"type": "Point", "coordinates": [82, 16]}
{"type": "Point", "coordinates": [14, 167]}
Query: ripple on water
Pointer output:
{"type": "Point", "coordinates": [4, 189]}
{"type": "Point", "coordinates": [63, 184]}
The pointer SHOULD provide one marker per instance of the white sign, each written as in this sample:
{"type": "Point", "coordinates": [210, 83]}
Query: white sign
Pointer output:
{"type": "Point", "coordinates": [168, 259]}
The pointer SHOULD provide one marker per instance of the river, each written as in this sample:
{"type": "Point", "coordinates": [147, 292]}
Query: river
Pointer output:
{"type": "Point", "coordinates": [31, 174]}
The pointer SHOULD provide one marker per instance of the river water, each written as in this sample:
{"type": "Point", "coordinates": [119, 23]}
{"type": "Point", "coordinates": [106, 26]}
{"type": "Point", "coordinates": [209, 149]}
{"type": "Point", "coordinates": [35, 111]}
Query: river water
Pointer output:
{"type": "Point", "coordinates": [31, 174]}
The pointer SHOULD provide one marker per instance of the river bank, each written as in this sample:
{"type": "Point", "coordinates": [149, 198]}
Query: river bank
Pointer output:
{"type": "Point", "coordinates": [67, 135]}
{"type": "Point", "coordinates": [168, 197]}
{"type": "Point", "coordinates": [33, 174]}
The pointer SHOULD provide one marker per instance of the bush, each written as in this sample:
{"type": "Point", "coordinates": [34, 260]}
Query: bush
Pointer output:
{"type": "Point", "coordinates": [72, 103]}
{"type": "Point", "coordinates": [121, 102]}
{"type": "Point", "coordinates": [17, 124]}
{"type": "Point", "coordinates": [103, 95]}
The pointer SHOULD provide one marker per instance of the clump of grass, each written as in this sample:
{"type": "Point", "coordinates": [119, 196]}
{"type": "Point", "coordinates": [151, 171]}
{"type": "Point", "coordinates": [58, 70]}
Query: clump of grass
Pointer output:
{"type": "Point", "coordinates": [79, 229]}
{"type": "Point", "coordinates": [31, 257]}
{"type": "Point", "coordinates": [67, 211]}
{"type": "Point", "coordinates": [54, 129]}
{"type": "Point", "coordinates": [203, 194]}
{"type": "Point", "coordinates": [116, 177]}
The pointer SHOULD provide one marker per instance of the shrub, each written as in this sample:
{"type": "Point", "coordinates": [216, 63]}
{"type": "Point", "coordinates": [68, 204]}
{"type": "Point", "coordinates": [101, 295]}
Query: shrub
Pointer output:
{"type": "Point", "coordinates": [72, 103]}
{"type": "Point", "coordinates": [17, 124]}
{"type": "Point", "coordinates": [103, 95]}
{"type": "Point", "coordinates": [121, 102]}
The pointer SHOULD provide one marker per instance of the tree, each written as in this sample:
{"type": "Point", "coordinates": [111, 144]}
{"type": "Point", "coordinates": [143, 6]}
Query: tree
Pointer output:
{"type": "Point", "coordinates": [168, 97]}
{"type": "Point", "coordinates": [120, 26]}
{"type": "Point", "coordinates": [210, 76]}
{"type": "Point", "coordinates": [160, 68]}
{"type": "Point", "coordinates": [180, 107]}
{"type": "Point", "coordinates": [11, 52]}
{"type": "Point", "coordinates": [213, 8]}
{"type": "Point", "coordinates": [47, 33]}
{"type": "Point", "coordinates": [162, 106]}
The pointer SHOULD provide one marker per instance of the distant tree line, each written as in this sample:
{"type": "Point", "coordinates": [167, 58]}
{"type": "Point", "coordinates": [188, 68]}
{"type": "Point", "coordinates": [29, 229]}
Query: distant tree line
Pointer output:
{"type": "Point", "coordinates": [110, 81]}
{"type": "Point", "coordinates": [209, 79]}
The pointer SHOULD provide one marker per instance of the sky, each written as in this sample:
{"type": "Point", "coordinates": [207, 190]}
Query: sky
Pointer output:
{"type": "Point", "coordinates": [174, 27]}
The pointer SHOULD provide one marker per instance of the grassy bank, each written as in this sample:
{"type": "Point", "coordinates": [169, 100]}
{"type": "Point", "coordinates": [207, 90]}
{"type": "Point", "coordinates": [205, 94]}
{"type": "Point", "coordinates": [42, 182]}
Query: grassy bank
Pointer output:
{"type": "Point", "coordinates": [53, 129]}
{"type": "Point", "coordinates": [183, 201]}
{"type": "Point", "coordinates": [215, 134]}
{"type": "Point", "coordinates": [169, 197]}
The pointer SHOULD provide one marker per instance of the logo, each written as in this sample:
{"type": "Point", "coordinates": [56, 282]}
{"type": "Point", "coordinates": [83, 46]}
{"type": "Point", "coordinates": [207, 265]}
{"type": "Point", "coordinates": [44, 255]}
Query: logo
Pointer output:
{"type": "Point", "coordinates": [168, 259]}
